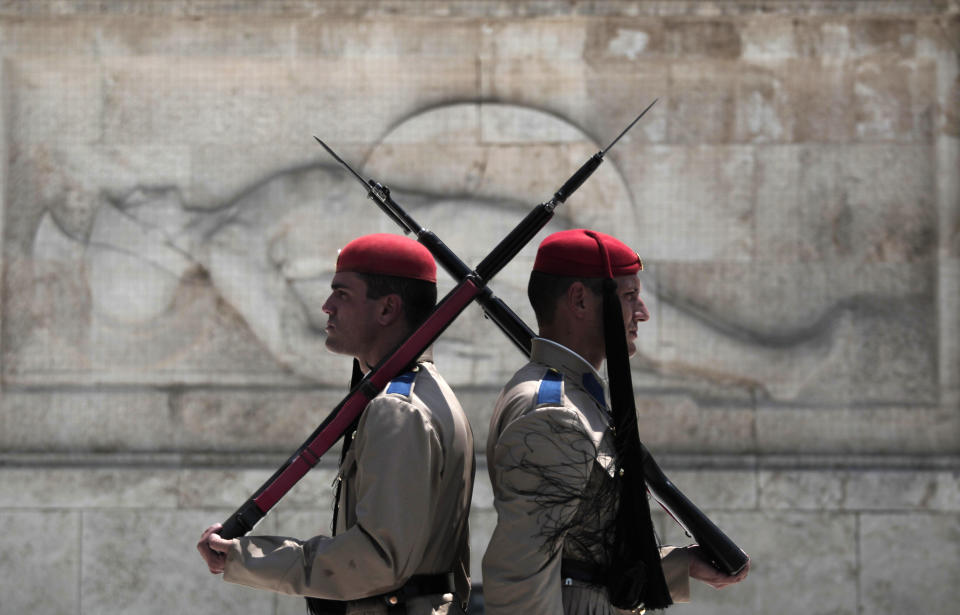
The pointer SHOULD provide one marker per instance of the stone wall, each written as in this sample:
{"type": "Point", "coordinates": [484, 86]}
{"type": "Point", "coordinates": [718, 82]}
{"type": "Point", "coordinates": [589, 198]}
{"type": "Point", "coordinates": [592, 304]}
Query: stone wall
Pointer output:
{"type": "Point", "coordinates": [169, 227]}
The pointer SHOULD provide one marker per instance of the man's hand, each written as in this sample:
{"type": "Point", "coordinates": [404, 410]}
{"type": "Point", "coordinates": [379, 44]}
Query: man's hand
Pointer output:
{"type": "Point", "coordinates": [702, 570]}
{"type": "Point", "coordinates": [213, 549]}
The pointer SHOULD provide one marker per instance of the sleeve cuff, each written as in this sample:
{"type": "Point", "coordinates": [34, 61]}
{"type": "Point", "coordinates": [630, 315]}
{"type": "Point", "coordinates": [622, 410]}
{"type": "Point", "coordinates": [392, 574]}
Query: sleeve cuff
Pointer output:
{"type": "Point", "coordinates": [676, 569]}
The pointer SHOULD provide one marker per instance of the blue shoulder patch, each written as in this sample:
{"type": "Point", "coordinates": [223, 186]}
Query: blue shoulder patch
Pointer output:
{"type": "Point", "coordinates": [551, 388]}
{"type": "Point", "coordinates": [402, 384]}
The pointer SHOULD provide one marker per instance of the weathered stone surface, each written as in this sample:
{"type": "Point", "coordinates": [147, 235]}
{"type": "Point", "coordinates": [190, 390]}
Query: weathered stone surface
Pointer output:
{"type": "Point", "coordinates": [885, 93]}
{"type": "Point", "coordinates": [717, 489]}
{"type": "Point", "coordinates": [820, 95]}
{"type": "Point", "coordinates": [52, 36]}
{"type": "Point", "coordinates": [482, 523]}
{"type": "Point", "coordinates": [102, 422]}
{"type": "Point", "coordinates": [949, 355]}
{"type": "Point", "coordinates": [41, 561]}
{"type": "Point", "coordinates": [165, 574]}
{"type": "Point", "coordinates": [83, 488]}
{"type": "Point", "coordinates": [55, 100]}
{"type": "Point", "coordinates": [692, 203]}
{"type": "Point", "coordinates": [359, 99]}
{"type": "Point", "coordinates": [864, 203]}
{"type": "Point", "coordinates": [623, 41]}
{"type": "Point", "coordinates": [817, 547]}
{"type": "Point", "coordinates": [895, 553]}
{"type": "Point", "coordinates": [210, 36]}
{"type": "Point", "coordinates": [221, 173]}
{"type": "Point", "coordinates": [827, 355]}
{"type": "Point", "coordinates": [478, 402]}
{"type": "Point", "coordinates": [864, 489]}
{"type": "Point", "coordinates": [706, 38]}
{"type": "Point", "coordinates": [252, 422]}
{"type": "Point", "coordinates": [702, 101]}
{"type": "Point", "coordinates": [229, 488]}
{"type": "Point", "coordinates": [169, 227]}
{"type": "Point", "coordinates": [771, 37]}
{"type": "Point", "coordinates": [204, 111]}
{"type": "Point", "coordinates": [802, 490]}
{"type": "Point", "coordinates": [352, 38]}
{"type": "Point", "coordinates": [619, 94]}
{"type": "Point", "coordinates": [892, 430]}
{"type": "Point", "coordinates": [678, 424]}
{"type": "Point", "coordinates": [914, 490]}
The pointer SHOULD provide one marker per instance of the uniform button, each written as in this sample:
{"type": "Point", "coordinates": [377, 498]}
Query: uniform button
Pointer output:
{"type": "Point", "coordinates": [393, 600]}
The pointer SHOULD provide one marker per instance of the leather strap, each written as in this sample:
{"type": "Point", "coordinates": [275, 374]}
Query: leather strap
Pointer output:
{"type": "Point", "coordinates": [571, 569]}
{"type": "Point", "coordinates": [420, 585]}
{"type": "Point", "coordinates": [396, 601]}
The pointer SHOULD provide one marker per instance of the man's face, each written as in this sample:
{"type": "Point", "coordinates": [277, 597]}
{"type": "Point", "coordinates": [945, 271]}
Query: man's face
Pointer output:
{"type": "Point", "coordinates": [351, 324]}
{"type": "Point", "coordinates": [634, 310]}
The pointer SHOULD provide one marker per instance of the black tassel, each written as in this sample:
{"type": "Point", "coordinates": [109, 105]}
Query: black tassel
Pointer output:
{"type": "Point", "coordinates": [635, 575]}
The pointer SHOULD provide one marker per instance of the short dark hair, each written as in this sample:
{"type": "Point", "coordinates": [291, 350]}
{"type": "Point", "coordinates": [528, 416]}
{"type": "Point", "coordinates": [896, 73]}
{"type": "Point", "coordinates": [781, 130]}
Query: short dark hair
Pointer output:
{"type": "Point", "coordinates": [545, 289]}
{"type": "Point", "coordinates": [418, 296]}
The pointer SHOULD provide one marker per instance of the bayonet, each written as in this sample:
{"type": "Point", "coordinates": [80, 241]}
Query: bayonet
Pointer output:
{"type": "Point", "coordinates": [625, 130]}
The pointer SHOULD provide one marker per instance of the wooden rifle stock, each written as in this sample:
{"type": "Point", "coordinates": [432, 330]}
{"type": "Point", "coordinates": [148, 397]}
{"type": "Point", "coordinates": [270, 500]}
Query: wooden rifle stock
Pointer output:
{"type": "Point", "coordinates": [722, 552]}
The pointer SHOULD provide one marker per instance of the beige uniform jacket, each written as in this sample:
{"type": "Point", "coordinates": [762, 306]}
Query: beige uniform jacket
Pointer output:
{"type": "Point", "coordinates": [404, 500]}
{"type": "Point", "coordinates": [551, 461]}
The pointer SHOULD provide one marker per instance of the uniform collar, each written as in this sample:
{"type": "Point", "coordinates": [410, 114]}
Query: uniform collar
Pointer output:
{"type": "Point", "coordinates": [426, 356]}
{"type": "Point", "coordinates": [574, 367]}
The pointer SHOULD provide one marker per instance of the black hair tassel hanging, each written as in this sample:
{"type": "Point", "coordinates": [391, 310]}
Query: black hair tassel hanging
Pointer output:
{"type": "Point", "coordinates": [636, 575]}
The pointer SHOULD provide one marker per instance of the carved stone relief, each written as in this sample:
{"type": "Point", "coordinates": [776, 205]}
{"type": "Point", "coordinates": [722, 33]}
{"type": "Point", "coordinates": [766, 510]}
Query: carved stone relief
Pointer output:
{"type": "Point", "coordinates": [142, 286]}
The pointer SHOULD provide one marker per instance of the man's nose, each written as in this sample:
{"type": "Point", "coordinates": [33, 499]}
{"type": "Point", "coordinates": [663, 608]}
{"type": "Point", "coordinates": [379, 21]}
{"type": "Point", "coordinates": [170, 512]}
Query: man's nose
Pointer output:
{"type": "Point", "coordinates": [326, 307]}
{"type": "Point", "coordinates": [641, 313]}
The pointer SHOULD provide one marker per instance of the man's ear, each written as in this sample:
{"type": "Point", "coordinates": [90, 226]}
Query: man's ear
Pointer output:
{"type": "Point", "coordinates": [577, 299]}
{"type": "Point", "coordinates": [389, 309]}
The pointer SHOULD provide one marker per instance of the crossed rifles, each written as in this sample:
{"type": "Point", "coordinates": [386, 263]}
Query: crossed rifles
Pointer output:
{"type": "Point", "coordinates": [472, 286]}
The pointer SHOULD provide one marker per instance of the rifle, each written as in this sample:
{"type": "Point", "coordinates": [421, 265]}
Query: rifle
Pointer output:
{"type": "Point", "coordinates": [723, 553]}
{"type": "Point", "coordinates": [719, 549]}
{"type": "Point", "coordinates": [494, 308]}
{"type": "Point", "coordinates": [472, 286]}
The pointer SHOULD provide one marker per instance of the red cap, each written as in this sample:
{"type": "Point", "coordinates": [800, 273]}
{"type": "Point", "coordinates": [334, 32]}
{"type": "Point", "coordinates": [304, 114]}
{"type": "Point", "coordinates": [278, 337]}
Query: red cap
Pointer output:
{"type": "Point", "coordinates": [386, 254]}
{"type": "Point", "coordinates": [580, 253]}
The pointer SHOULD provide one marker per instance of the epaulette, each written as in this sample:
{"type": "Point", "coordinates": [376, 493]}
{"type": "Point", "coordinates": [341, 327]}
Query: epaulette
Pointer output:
{"type": "Point", "coordinates": [402, 384]}
{"type": "Point", "coordinates": [550, 392]}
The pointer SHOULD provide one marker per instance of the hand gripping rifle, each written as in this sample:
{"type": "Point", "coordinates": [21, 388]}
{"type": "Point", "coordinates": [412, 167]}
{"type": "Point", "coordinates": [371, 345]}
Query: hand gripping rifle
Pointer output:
{"type": "Point", "coordinates": [471, 286]}
{"type": "Point", "coordinates": [722, 552]}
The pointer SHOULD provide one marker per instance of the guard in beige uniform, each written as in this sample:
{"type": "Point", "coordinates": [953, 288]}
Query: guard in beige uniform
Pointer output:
{"type": "Point", "coordinates": [401, 539]}
{"type": "Point", "coordinates": [552, 457]}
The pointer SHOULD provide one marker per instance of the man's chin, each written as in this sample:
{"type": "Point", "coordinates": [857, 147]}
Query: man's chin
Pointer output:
{"type": "Point", "coordinates": [333, 346]}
